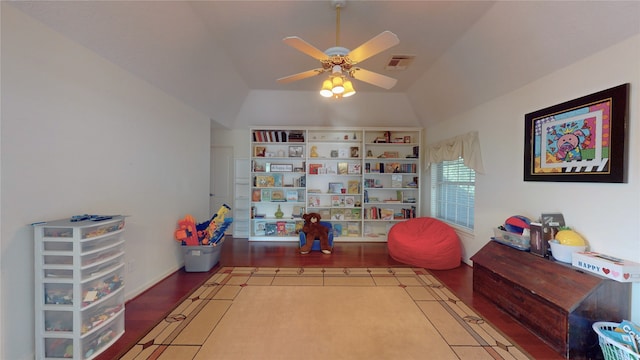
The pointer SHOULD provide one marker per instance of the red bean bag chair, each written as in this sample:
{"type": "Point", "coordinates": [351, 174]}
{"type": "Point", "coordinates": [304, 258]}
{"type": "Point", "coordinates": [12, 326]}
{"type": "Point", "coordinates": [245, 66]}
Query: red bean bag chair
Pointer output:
{"type": "Point", "coordinates": [425, 242]}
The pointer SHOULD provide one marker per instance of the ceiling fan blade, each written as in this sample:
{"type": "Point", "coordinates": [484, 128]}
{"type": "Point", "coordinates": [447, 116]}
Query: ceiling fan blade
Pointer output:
{"type": "Point", "coordinates": [373, 78]}
{"type": "Point", "coordinates": [300, 76]}
{"type": "Point", "coordinates": [377, 44]}
{"type": "Point", "coordinates": [303, 46]}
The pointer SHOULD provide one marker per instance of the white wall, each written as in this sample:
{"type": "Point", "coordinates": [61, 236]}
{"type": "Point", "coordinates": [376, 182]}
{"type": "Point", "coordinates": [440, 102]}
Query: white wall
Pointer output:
{"type": "Point", "coordinates": [80, 135]}
{"type": "Point", "coordinates": [607, 215]}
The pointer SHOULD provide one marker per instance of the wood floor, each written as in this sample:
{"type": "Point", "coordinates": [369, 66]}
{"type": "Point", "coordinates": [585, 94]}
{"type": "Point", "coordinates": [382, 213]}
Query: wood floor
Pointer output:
{"type": "Point", "coordinates": [144, 311]}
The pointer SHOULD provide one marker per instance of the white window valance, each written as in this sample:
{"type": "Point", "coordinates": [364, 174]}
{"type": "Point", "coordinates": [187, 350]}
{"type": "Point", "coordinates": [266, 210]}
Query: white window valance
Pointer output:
{"type": "Point", "coordinates": [465, 146]}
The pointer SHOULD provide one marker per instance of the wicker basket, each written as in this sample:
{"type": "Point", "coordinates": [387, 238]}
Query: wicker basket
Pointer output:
{"type": "Point", "coordinates": [611, 349]}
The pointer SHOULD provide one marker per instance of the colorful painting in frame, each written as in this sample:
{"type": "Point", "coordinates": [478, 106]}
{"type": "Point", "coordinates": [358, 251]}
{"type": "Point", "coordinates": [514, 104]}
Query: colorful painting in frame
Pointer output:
{"type": "Point", "coordinates": [582, 140]}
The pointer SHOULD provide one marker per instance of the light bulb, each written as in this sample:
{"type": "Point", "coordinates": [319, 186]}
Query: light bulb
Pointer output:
{"type": "Point", "coordinates": [326, 89]}
{"type": "Point", "coordinates": [348, 89]}
{"type": "Point", "coordinates": [337, 85]}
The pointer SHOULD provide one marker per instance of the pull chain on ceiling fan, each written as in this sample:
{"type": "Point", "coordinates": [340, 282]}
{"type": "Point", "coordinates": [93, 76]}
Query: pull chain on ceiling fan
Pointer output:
{"type": "Point", "coordinates": [340, 61]}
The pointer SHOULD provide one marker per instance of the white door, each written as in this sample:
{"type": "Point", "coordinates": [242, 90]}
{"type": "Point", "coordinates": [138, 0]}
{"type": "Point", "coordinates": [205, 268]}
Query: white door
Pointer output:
{"type": "Point", "coordinates": [242, 199]}
{"type": "Point", "coordinates": [221, 186]}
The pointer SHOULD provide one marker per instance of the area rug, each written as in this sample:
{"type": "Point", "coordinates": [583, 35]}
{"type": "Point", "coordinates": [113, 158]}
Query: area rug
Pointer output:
{"type": "Point", "coordinates": [323, 313]}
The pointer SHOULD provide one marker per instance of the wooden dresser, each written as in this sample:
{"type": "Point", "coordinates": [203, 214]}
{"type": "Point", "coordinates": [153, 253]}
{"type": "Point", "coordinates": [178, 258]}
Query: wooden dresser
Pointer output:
{"type": "Point", "coordinates": [556, 302]}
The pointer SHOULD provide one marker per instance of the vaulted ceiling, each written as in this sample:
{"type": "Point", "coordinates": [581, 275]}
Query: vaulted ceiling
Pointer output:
{"type": "Point", "coordinates": [223, 57]}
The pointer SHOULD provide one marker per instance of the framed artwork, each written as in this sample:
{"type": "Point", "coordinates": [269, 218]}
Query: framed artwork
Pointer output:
{"type": "Point", "coordinates": [259, 151]}
{"type": "Point", "coordinates": [296, 151]}
{"type": "Point", "coordinates": [581, 140]}
{"type": "Point", "coordinates": [281, 167]}
{"type": "Point", "coordinates": [355, 151]}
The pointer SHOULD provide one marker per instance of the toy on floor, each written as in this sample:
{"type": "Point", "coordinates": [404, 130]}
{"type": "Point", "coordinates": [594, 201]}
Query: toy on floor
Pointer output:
{"type": "Point", "coordinates": [209, 232]}
{"type": "Point", "coordinates": [186, 232]}
{"type": "Point", "coordinates": [314, 230]}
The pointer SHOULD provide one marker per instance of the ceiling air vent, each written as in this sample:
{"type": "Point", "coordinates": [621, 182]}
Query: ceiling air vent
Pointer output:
{"type": "Point", "coordinates": [399, 62]}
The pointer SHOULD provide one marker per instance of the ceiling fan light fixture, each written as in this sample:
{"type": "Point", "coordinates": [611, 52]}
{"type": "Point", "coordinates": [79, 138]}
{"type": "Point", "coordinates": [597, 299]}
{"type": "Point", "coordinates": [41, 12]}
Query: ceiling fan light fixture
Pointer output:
{"type": "Point", "coordinates": [326, 88]}
{"type": "Point", "coordinates": [340, 61]}
{"type": "Point", "coordinates": [337, 83]}
{"type": "Point", "coordinates": [348, 89]}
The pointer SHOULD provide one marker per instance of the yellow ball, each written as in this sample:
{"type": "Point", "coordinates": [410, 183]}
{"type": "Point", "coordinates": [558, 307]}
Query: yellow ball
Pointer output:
{"type": "Point", "coordinates": [570, 238]}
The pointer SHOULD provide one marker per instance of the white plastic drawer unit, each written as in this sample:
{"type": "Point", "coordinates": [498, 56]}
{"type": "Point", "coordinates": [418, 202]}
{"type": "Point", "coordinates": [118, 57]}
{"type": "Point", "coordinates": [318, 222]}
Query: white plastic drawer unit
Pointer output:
{"type": "Point", "coordinates": [79, 287]}
{"type": "Point", "coordinates": [60, 291]}
{"type": "Point", "coordinates": [59, 321]}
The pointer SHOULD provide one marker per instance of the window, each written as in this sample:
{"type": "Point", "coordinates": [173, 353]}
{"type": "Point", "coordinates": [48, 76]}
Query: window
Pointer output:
{"type": "Point", "coordinates": [453, 192]}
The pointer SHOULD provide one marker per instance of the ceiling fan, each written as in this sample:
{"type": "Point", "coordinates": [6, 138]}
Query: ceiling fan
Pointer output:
{"type": "Point", "coordinates": [341, 61]}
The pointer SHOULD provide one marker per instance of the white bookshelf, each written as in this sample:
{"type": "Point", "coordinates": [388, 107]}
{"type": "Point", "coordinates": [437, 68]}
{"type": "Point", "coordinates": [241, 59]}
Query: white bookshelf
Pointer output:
{"type": "Point", "coordinates": [362, 180]}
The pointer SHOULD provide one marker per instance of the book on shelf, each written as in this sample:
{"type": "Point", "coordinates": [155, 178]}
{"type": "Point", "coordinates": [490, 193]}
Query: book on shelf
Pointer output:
{"type": "Point", "coordinates": [271, 229]}
{"type": "Point", "coordinates": [264, 181]}
{"type": "Point", "coordinates": [259, 227]}
{"type": "Point", "coordinates": [353, 229]}
{"type": "Point", "coordinates": [337, 230]}
{"type": "Point", "coordinates": [314, 201]}
{"type": "Point", "coordinates": [277, 180]}
{"type": "Point", "coordinates": [325, 213]}
{"type": "Point", "coordinates": [391, 168]}
{"type": "Point", "coordinates": [297, 211]}
{"type": "Point", "coordinates": [292, 195]}
{"type": "Point", "coordinates": [354, 168]}
{"type": "Point", "coordinates": [337, 200]}
{"type": "Point", "coordinates": [335, 188]}
{"type": "Point", "coordinates": [349, 201]}
{"type": "Point", "coordinates": [396, 181]}
{"type": "Point", "coordinates": [353, 187]}
{"type": "Point", "coordinates": [337, 214]}
{"type": "Point", "coordinates": [386, 214]}
{"type": "Point", "coordinates": [277, 195]}
{"type": "Point", "coordinates": [270, 136]}
{"type": "Point", "coordinates": [265, 194]}
{"type": "Point", "coordinates": [281, 228]}
{"type": "Point", "coordinates": [352, 214]}
{"type": "Point", "coordinates": [256, 195]}
{"type": "Point", "coordinates": [300, 182]}
{"type": "Point", "coordinates": [296, 136]}
{"type": "Point", "coordinates": [290, 228]}
{"type": "Point", "coordinates": [343, 168]}
{"type": "Point", "coordinates": [409, 213]}
{"type": "Point", "coordinates": [314, 168]}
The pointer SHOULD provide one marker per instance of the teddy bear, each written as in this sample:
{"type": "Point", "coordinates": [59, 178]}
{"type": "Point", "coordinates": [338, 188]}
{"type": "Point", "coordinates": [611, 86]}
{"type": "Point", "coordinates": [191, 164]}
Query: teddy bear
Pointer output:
{"type": "Point", "coordinates": [314, 230]}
